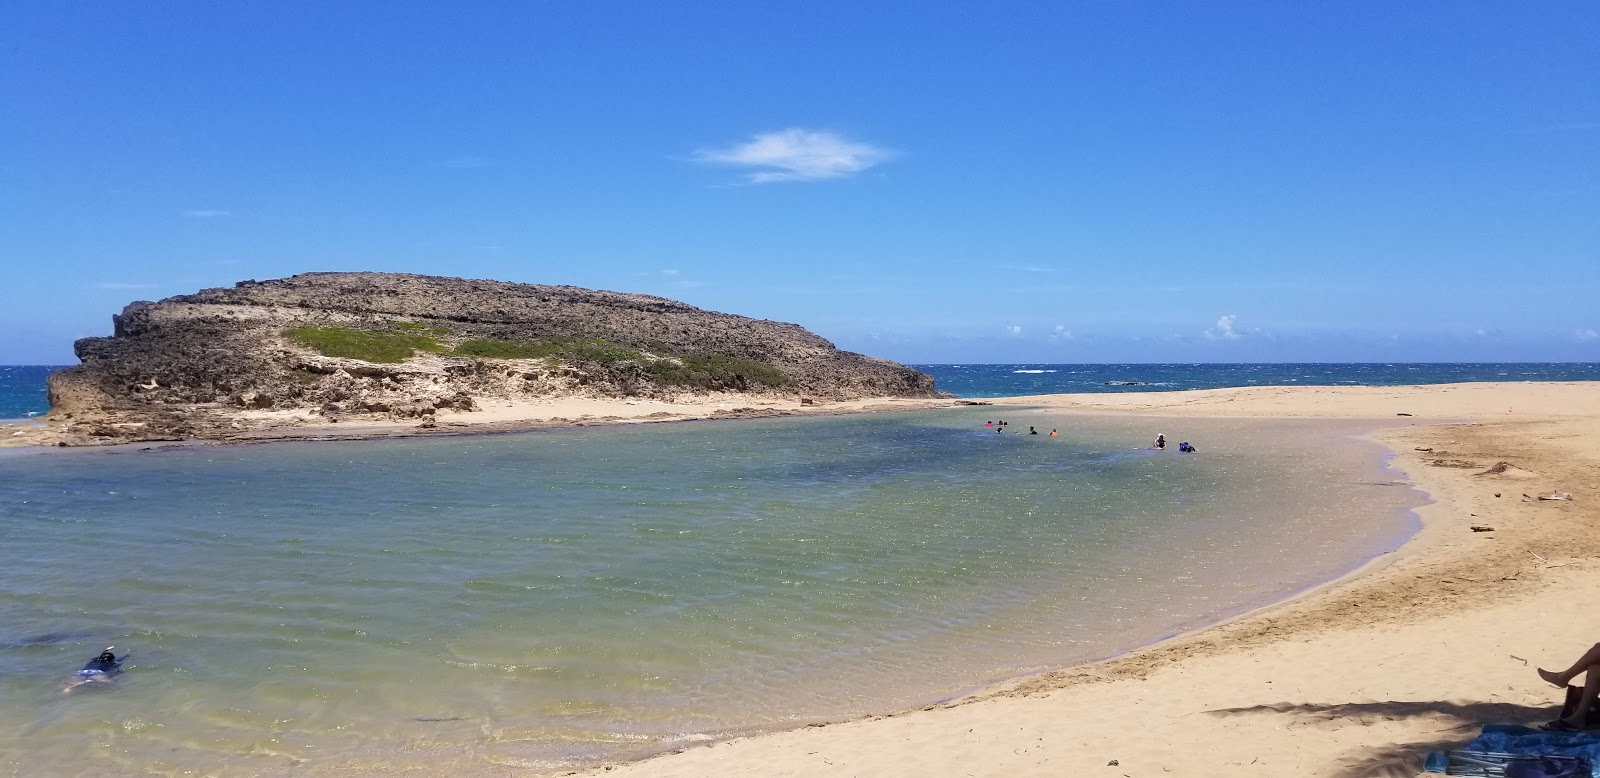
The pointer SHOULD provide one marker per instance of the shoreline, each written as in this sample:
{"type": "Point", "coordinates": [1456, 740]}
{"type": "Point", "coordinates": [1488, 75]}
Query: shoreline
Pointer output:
{"type": "Point", "coordinates": [494, 417]}
{"type": "Point", "coordinates": [1375, 668]}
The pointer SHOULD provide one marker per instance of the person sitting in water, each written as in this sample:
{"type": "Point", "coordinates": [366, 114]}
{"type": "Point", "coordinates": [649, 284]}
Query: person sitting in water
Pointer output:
{"type": "Point", "coordinates": [99, 670]}
{"type": "Point", "coordinates": [1032, 431]}
{"type": "Point", "coordinates": [1589, 667]}
{"type": "Point", "coordinates": [988, 424]}
{"type": "Point", "coordinates": [1186, 448]}
{"type": "Point", "coordinates": [1161, 441]}
{"type": "Point", "coordinates": [1052, 433]}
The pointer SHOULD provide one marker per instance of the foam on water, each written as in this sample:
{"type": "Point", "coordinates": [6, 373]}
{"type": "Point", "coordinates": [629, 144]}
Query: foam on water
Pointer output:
{"type": "Point", "coordinates": [547, 600]}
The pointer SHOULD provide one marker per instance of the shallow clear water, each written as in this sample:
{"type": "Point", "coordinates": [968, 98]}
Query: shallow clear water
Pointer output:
{"type": "Point", "coordinates": [545, 600]}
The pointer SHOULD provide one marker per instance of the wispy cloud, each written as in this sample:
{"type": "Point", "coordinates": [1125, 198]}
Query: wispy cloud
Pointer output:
{"type": "Point", "coordinates": [1586, 336]}
{"type": "Point", "coordinates": [1061, 333]}
{"type": "Point", "coordinates": [672, 277]}
{"type": "Point", "coordinates": [206, 213]}
{"type": "Point", "coordinates": [464, 162]}
{"type": "Point", "coordinates": [124, 285]}
{"type": "Point", "coordinates": [1014, 330]}
{"type": "Point", "coordinates": [1224, 329]}
{"type": "Point", "coordinates": [796, 155]}
{"type": "Point", "coordinates": [1031, 268]}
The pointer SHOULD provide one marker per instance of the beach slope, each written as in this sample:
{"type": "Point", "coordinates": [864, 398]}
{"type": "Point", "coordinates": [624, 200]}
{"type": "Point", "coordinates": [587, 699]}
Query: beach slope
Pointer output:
{"type": "Point", "coordinates": [1361, 677]}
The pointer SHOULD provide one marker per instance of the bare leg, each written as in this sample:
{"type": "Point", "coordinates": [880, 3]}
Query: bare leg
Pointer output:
{"type": "Point", "coordinates": [1580, 716]}
{"type": "Point", "coordinates": [1565, 677]}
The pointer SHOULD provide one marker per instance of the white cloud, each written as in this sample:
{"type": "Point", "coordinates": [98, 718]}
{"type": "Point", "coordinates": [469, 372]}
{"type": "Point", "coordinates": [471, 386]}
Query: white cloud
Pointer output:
{"type": "Point", "coordinates": [796, 155]}
{"type": "Point", "coordinates": [1013, 330]}
{"type": "Point", "coordinates": [206, 213]}
{"type": "Point", "coordinates": [124, 285]}
{"type": "Point", "coordinates": [1586, 336]}
{"type": "Point", "coordinates": [1224, 329]}
{"type": "Point", "coordinates": [1061, 333]}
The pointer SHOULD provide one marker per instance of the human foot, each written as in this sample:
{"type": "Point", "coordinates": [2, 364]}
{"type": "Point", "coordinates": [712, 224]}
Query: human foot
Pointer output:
{"type": "Point", "coordinates": [1554, 679]}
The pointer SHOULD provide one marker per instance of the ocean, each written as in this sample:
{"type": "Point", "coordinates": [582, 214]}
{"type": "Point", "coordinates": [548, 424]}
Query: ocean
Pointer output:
{"type": "Point", "coordinates": [545, 601]}
{"type": "Point", "coordinates": [22, 390]}
{"type": "Point", "coordinates": [1018, 380]}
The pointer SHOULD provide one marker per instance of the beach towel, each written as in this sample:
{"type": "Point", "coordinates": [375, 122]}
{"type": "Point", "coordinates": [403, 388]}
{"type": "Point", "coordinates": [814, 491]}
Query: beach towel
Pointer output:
{"type": "Point", "coordinates": [1515, 749]}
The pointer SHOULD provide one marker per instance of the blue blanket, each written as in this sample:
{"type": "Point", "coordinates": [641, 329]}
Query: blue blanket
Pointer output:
{"type": "Point", "coordinates": [1512, 739]}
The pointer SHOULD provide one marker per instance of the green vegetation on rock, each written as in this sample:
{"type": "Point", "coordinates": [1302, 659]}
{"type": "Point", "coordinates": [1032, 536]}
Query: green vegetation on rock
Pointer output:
{"type": "Point", "coordinates": [367, 345]}
{"type": "Point", "coordinates": [715, 371]}
{"type": "Point", "coordinates": [701, 371]}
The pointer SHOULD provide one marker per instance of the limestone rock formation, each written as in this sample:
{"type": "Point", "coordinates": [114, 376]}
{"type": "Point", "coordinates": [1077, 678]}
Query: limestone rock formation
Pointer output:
{"type": "Point", "coordinates": [405, 346]}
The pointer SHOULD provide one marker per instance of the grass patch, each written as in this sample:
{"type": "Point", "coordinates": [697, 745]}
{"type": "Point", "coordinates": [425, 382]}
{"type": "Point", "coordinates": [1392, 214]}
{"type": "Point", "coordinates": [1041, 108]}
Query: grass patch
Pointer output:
{"type": "Point", "coordinates": [709, 372]}
{"type": "Point", "coordinates": [717, 372]}
{"type": "Point", "coordinates": [366, 345]}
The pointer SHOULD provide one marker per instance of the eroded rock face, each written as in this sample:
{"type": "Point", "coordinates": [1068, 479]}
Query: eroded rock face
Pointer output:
{"type": "Point", "coordinates": [220, 352]}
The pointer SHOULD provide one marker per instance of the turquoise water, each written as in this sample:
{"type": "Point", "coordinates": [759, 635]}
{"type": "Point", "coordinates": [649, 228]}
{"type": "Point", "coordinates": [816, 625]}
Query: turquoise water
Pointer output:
{"type": "Point", "coordinates": [1031, 379]}
{"type": "Point", "coordinates": [541, 601]}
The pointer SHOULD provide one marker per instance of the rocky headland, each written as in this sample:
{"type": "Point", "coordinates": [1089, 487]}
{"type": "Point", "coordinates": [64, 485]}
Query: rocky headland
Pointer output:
{"type": "Point", "coordinates": [324, 348]}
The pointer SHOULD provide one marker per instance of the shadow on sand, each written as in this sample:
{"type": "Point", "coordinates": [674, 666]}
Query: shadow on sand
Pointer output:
{"type": "Point", "coordinates": [1459, 723]}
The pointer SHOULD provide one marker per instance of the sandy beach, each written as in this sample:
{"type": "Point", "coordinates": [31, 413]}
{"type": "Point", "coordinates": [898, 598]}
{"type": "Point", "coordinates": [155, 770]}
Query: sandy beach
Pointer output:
{"type": "Point", "coordinates": [1360, 677]}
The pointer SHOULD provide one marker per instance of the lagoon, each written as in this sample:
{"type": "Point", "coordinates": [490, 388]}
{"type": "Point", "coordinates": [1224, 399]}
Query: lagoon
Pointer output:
{"type": "Point", "coordinates": [554, 599]}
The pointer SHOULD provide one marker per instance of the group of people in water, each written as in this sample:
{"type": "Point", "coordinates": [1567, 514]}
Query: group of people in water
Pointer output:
{"type": "Point", "coordinates": [1002, 427]}
{"type": "Point", "coordinates": [1159, 444]}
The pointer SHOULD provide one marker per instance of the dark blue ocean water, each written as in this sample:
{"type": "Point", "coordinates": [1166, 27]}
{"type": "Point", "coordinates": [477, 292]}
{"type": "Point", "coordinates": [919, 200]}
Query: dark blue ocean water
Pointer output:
{"type": "Point", "coordinates": [22, 389]}
{"type": "Point", "coordinates": [1015, 380]}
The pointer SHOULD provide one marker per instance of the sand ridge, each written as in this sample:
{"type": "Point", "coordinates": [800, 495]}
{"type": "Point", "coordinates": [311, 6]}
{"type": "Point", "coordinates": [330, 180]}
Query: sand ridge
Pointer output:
{"type": "Point", "coordinates": [1361, 677]}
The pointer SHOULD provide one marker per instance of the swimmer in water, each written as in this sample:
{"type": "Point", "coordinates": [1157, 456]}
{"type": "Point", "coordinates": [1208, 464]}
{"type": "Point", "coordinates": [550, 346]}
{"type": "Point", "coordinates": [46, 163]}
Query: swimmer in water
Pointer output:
{"type": "Point", "coordinates": [1052, 433]}
{"type": "Point", "coordinates": [1161, 441]}
{"type": "Point", "coordinates": [98, 671]}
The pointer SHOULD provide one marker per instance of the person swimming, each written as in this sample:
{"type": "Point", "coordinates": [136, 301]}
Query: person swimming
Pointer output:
{"type": "Point", "coordinates": [1052, 433]}
{"type": "Point", "coordinates": [1186, 448]}
{"type": "Point", "coordinates": [1032, 431]}
{"type": "Point", "coordinates": [99, 670]}
{"type": "Point", "coordinates": [1161, 441]}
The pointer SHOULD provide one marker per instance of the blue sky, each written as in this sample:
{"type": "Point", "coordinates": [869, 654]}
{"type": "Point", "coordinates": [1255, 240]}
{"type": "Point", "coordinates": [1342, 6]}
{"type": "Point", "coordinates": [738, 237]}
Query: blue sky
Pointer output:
{"type": "Point", "coordinates": [922, 181]}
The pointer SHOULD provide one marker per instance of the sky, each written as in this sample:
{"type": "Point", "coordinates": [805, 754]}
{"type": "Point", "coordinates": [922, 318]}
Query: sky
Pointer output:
{"type": "Point", "coordinates": [922, 181]}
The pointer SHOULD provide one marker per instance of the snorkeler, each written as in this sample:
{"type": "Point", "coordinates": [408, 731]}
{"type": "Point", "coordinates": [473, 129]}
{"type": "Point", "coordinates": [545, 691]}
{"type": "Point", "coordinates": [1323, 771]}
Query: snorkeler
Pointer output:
{"type": "Point", "coordinates": [99, 670]}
